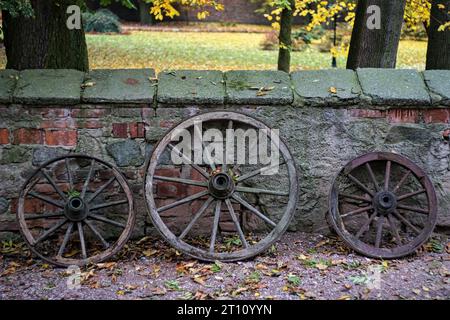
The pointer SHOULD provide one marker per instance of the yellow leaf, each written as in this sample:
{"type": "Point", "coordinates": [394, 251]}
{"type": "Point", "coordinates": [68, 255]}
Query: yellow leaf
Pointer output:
{"type": "Point", "coordinates": [345, 297]}
{"type": "Point", "coordinates": [332, 90]}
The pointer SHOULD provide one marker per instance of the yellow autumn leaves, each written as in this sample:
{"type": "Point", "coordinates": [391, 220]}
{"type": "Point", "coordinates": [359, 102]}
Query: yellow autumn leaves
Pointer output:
{"type": "Point", "coordinates": [165, 8]}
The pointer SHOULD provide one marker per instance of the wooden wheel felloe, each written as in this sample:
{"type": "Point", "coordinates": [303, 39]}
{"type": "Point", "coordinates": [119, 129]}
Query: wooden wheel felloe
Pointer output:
{"type": "Point", "coordinates": [219, 210]}
{"type": "Point", "coordinates": [383, 205]}
{"type": "Point", "coordinates": [75, 210]}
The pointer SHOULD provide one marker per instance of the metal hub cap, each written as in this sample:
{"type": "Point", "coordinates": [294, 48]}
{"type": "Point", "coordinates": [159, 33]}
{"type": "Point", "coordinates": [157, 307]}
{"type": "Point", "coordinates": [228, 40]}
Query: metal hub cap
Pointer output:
{"type": "Point", "coordinates": [221, 186]}
{"type": "Point", "coordinates": [76, 209]}
{"type": "Point", "coordinates": [385, 202]}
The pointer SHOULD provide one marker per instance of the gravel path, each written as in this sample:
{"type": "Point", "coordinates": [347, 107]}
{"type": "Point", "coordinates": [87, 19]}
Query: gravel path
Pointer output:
{"type": "Point", "coordinates": [300, 266]}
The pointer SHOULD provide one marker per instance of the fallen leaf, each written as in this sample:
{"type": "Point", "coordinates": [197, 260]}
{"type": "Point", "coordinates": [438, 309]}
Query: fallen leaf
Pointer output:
{"type": "Point", "coordinates": [345, 297]}
{"type": "Point", "coordinates": [332, 90]}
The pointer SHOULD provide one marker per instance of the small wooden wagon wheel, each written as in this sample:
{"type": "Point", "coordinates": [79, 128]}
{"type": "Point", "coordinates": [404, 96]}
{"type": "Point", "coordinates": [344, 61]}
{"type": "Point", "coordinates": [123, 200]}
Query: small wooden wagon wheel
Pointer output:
{"type": "Point", "coordinates": [75, 210]}
{"type": "Point", "coordinates": [214, 210]}
{"type": "Point", "coordinates": [383, 205]}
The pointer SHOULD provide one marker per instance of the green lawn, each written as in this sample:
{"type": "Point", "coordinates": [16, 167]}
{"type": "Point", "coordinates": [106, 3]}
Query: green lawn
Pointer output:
{"type": "Point", "coordinates": [208, 50]}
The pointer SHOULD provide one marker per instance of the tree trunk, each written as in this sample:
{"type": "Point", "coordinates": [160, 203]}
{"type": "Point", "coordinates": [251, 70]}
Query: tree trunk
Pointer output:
{"type": "Point", "coordinates": [285, 37]}
{"type": "Point", "coordinates": [144, 12]}
{"type": "Point", "coordinates": [44, 41]}
{"type": "Point", "coordinates": [438, 54]}
{"type": "Point", "coordinates": [376, 47]}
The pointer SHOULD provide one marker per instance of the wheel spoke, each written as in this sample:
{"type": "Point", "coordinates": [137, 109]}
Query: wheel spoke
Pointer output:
{"type": "Point", "coordinates": [69, 174]}
{"type": "Point", "coordinates": [205, 149]}
{"type": "Point", "coordinates": [366, 224]}
{"type": "Point", "coordinates": [86, 183]}
{"type": "Point", "coordinates": [100, 190]}
{"type": "Point", "coordinates": [188, 161]}
{"type": "Point", "coordinates": [49, 232]}
{"type": "Point", "coordinates": [215, 226]}
{"type": "Point", "coordinates": [236, 222]}
{"type": "Point", "coordinates": [226, 166]}
{"type": "Point", "coordinates": [183, 201]}
{"type": "Point", "coordinates": [394, 230]}
{"type": "Point", "coordinates": [356, 211]}
{"type": "Point", "coordinates": [181, 180]}
{"type": "Point", "coordinates": [46, 199]}
{"type": "Point", "coordinates": [406, 222]}
{"type": "Point", "coordinates": [106, 220]}
{"type": "Point", "coordinates": [372, 176]}
{"type": "Point", "coordinates": [42, 216]}
{"type": "Point", "coordinates": [108, 204]}
{"type": "Point", "coordinates": [97, 234]}
{"type": "Point", "coordinates": [253, 210]}
{"type": "Point", "coordinates": [414, 209]}
{"type": "Point", "coordinates": [411, 194]}
{"type": "Point", "coordinates": [196, 217]}
{"type": "Point", "coordinates": [263, 191]}
{"type": "Point", "coordinates": [360, 184]}
{"type": "Point", "coordinates": [52, 182]}
{"type": "Point", "coordinates": [379, 231]}
{"type": "Point", "coordinates": [350, 196]}
{"type": "Point", "coordinates": [402, 181]}
{"type": "Point", "coordinates": [259, 171]}
{"type": "Point", "coordinates": [65, 240]}
{"type": "Point", "coordinates": [82, 242]}
{"type": "Point", "coordinates": [387, 176]}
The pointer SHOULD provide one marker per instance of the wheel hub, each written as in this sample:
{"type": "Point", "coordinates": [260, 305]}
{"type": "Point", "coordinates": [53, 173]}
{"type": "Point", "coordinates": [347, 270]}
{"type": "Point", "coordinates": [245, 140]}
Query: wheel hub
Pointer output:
{"type": "Point", "coordinates": [76, 209]}
{"type": "Point", "coordinates": [221, 185]}
{"type": "Point", "coordinates": [385, 202]}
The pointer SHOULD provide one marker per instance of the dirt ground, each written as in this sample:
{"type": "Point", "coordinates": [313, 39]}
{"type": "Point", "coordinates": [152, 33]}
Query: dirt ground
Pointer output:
{"type": "Point", "coordinates": [300, 266]}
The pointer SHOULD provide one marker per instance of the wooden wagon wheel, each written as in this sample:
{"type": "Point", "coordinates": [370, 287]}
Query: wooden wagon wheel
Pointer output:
{"type": "Point", "coordinates": [75, 210]}
{"type": "Point", "coordinates": [259, 207]}
{"type": "Point", "coordinates": [383, 205]}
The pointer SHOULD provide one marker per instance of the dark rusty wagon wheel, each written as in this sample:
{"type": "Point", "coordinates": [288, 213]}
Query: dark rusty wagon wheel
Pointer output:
{"type": "Point", "coordinates": [215, 210]}
{"type": "Point", "coordinates": [75, 210]}
{"type": "Point", "coordinates": [383, 205]}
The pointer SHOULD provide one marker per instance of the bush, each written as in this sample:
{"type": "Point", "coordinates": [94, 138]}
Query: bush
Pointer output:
{"type": "Point", "coordinates": [271, 42]}
{"type": "Point", "coordinates": [101, 21]}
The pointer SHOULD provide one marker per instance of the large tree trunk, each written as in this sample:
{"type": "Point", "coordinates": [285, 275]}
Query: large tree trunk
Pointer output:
{"type": "Point", "coordinates": [284, 54]}
{"type": "Point", "coordinates": [376, 48]}
{"type": "Point", "coordinates": [44, 41]}
{"type": "Point", "coordinates": [438, 54]}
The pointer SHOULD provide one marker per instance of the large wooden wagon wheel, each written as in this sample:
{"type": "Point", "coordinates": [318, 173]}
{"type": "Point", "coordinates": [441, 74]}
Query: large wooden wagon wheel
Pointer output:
{"type": "Point", "coordinates": [75, 210]}
{"type": "Point", "coordinates": [220, 210]}
{"type": "Point", "coordinates": [383, 205]}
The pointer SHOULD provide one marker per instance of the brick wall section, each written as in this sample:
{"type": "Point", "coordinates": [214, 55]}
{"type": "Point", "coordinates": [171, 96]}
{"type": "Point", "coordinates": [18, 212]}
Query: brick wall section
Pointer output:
{"type": "Point", "coordinates": [133, 114]}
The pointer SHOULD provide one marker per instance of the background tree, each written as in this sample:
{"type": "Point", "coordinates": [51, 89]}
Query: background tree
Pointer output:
{"type": "Point", "coordinates": [36, 36]}
{"type": "Point", "coordinates": [285, 38]}
{"type": "Point", "coordinates": [438, 53]}
{"type": "Point", "coordinates": [376, 47]}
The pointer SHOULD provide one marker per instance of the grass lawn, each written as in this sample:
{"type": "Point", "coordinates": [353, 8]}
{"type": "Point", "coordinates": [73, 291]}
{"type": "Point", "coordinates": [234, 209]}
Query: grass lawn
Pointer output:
{"type": "Point", "coordinates": [208, 50]}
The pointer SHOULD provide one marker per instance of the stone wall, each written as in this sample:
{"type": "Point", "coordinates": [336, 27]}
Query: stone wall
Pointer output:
{"type": "Point", "coordinates": [327, 117]}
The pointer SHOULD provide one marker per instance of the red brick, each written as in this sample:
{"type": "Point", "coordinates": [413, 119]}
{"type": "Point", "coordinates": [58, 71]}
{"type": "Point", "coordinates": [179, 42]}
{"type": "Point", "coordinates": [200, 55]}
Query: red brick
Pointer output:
{"type": "Point", "coordinates": [167, 172]}
{"type": "Point", "coordinates": [436, 116]}
{"type": "Point", "coordinates": [4, 136]}
{"type": "Point", "coordinates": [89, 113]}
{"type": "Point", "coordinates": [403, 116]}
{"type": "Point", "coordinates": [58, 124]}
{"type": "Point", "coordinates": [90, 124]}
{"type": "Point", "coordinates": [27, 136]}
{"type": "Point", "coordinates": [120, 130]}
{"type": "Point", "coordinates": [170, 189]}
{"type": "Point", "coordinates": [61, 137]}
{"type": "Point", "coordinates": [137, 130]}
{"type": "Point", "coordinates": [166, 123]}
{"type": "Point", "coordinates": [367, 113]}
{"type": "Point", "coordinates": [54, 113]}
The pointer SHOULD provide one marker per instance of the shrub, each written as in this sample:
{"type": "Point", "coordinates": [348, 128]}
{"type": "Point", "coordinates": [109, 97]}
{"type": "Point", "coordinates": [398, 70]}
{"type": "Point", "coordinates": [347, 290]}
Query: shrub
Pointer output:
{"type": "Point", "coordinates": [271, 42]}
{"type": "Point", "coordinates": [101, 21]}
